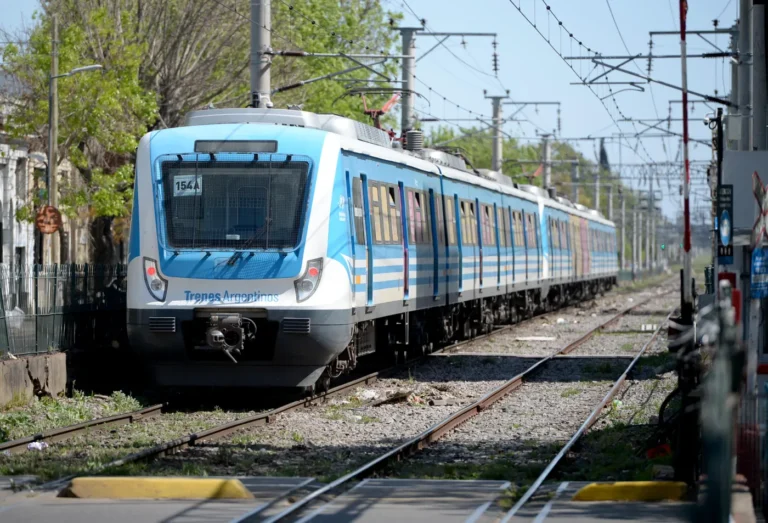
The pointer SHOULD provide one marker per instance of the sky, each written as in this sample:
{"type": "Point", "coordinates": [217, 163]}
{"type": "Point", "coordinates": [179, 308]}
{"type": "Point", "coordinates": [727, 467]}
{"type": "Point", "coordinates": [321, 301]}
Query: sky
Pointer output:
{"type": "Point", "coordinates": [532, 71]}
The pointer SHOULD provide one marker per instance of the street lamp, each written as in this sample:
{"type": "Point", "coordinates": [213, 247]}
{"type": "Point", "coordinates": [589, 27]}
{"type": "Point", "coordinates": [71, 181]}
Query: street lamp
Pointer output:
{"type": "Point", "coordinates": [53, 128]}
{"type": "Point", "coordinates": [53, 118]}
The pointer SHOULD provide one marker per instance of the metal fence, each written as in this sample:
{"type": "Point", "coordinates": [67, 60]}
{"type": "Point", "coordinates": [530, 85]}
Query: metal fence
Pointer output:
{"type": "Point", "coordinates": [751, 449]}
{"type": "Point", "coordinates": [61, 307]}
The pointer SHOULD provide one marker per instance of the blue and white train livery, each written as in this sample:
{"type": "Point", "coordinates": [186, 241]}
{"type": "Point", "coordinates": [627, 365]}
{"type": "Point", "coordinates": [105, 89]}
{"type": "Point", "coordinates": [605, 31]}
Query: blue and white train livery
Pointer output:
{"type": "Point", "coordinates": [274, 248]}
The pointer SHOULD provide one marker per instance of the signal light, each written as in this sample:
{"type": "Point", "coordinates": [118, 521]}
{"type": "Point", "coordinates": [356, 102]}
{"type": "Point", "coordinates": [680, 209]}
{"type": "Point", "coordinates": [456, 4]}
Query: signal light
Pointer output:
{"type": "Point", "coordinates": [663, 246]}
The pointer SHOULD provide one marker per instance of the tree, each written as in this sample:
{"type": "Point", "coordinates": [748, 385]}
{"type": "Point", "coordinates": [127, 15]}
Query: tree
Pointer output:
{"type": "Point", "coordinates": [163, 58]}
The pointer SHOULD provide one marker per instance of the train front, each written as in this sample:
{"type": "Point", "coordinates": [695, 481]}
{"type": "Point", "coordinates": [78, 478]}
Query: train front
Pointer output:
{"type": "Point", "coordinates": [230, 283]}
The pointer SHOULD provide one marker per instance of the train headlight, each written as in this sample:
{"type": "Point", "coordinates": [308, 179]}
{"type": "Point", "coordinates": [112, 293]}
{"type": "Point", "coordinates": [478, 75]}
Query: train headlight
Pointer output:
{"type": "Point", "coordinates": [156, 284]}
{"type": "Point", "coordinates": [307, 284]}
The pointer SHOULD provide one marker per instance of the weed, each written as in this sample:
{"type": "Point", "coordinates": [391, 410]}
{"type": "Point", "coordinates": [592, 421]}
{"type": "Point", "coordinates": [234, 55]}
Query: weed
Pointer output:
{"type": "Point", "coordinates": [628, 347]}
{"type": "Point", "coordinates": [368, 419]}
{"type": "Point", "coordinates": [570, 392]}
{"type": "Point", "coordinates": [298, 438]}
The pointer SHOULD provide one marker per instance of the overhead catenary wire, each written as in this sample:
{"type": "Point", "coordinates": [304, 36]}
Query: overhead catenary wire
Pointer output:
{"type": "Point", "coordinates": [562, 57]}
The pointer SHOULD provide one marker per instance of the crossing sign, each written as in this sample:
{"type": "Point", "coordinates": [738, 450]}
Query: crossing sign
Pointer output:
{"type": "Point", "coordinates": [761, 193]}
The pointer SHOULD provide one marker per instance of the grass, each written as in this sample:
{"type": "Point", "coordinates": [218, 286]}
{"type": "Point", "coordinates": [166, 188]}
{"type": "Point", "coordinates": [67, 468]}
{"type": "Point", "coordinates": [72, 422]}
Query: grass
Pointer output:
{"type": "Point", "coordinates": [612, 454]}
{"type": "Point", "coordinates": [46, 413]}
{"type": "Point", "coordinates": [628, 347]}
{"type": "Point", "coordinates": [298, 438]}
{"type": "Point", "coordinates": [570, 392]}
{"type": "Point", "coordinates": [520, 466]}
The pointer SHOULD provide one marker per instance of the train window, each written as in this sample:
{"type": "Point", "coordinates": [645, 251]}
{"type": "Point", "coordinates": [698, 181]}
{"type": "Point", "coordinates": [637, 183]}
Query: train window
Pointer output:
{"type": "Point", "coordinates": [357, 201]}
{"type": "Point", "coordinates": [473, 223]}
{"type": "Point", "coordinates": [375, 212]}
{"type": "Point", "coordinates": [439, 218]}
{"type": "Point", "coordinates": [427, 215]}
{"type": "Point", "coordinates": [418, 213]}
{"type": "Point", "coordinates": [519, 234]}
{"type": "Point", "coordinates": [393, 202]}
{"type": "Point", "coordinates": [533, 242]}
{"type": "Point", "coordinates": [489, 233]}
{"type": "Point", "coordinates": [385, 213]}
{"type": "Point", "coordinates": [411, 218]}
{"type": "Point", "coordinates": [450, 221]}
{"type": "Point", "coordinates": [553, 233]}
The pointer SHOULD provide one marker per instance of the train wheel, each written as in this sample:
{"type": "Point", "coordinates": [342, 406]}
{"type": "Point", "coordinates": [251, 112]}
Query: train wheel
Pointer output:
{"type": "Point", "coordinates": [323, 383]}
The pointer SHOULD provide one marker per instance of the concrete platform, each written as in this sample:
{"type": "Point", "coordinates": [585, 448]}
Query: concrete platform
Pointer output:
{"type": "Point", "coordinates": [28, 507]}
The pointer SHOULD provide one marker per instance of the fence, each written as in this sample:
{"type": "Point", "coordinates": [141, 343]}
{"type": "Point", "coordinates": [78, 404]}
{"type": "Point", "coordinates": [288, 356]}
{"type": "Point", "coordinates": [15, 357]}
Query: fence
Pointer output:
{"type": "Point", "coordinates": [750, 447]}
{"type": "Point", "coordinates": [61, 307]}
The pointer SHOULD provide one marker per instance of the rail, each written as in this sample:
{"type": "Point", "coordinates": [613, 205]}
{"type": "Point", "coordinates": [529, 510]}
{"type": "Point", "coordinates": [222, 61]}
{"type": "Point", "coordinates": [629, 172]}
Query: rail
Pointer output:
{"type": "Point", "coordinates": [435, 432]}
{"type": "Point", "coordinates": [20, 445]}
{"type": "Point", "coordinates": [591, 419]}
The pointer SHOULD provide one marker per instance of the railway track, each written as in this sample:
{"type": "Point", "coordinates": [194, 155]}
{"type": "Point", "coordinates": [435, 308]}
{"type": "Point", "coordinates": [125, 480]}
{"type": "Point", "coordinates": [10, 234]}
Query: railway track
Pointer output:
{"type": "Point", "coordinates": [223, 430]}
{"type": "Point", "coordinates": [434, 433]}
{"type": "Point", "coordinates": [20, 445]}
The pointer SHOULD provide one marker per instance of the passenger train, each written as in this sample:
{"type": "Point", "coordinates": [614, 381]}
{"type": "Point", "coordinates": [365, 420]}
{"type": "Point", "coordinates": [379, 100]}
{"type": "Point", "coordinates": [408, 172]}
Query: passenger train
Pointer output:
{"type": "Point", "coordinates": [273, 248]}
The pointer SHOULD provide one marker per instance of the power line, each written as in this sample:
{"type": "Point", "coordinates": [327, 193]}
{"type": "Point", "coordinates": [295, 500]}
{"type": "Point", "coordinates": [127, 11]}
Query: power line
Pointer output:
{"type": "Point", "coordinates": [442, 44]}
{"type": "Point", "coordinates": [582, 47]}
{"type": "Point", "coordinates": [650, 87]}
{"type": "Point", "coordinates": [724, 9]}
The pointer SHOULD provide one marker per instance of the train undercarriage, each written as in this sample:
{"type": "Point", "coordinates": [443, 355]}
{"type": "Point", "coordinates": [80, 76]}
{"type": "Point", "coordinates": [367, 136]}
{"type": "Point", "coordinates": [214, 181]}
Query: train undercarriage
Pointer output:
{"type": "Point", "coordinates": [413, 334]}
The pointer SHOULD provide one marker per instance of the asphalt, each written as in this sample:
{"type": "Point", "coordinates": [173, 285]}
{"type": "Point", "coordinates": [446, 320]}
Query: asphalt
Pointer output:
{"type": "Point", "coordinates": [370, 501]}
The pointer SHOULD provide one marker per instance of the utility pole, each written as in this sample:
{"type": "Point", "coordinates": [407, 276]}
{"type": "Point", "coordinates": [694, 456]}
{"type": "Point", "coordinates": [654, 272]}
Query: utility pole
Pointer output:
{"type": "Point", "coordinates": [497, 159]}
{"type": "Point", "coordinates": [409, 78]}
{"type": "Point", "coordinates": [53, 131]}
{"type": "Point", "coordinates": [261, 62]}
{"type": "Point", "coordinates": [622, 250]}
{"type": "Point", "coordinates": [610, 201]}
{"type": "Point", "coordinates": [758, 87]}
{"type": "Point", "coordinates": [734, 144]}
{"type": "Point", "coordinates": [575, 179]}
{"type": "Point", "coordinates": [687, 301]}
{"type": "Point", "coordinates": [597, 188]}
{"type": "Point", "coordinates": [648, 234]}
{"type": "Point", "coordinates": [635, 257]}
{"type": "Point", "coordinates": [651, 220]}
{"type": "Point", "coordinates": [408, 36]}
{"type": "Point", "coordinates": [547, 161]}
{"type": "Point", "coordinates": [745, 81]}
{"type": "Point", "coordinates": [758, 77]}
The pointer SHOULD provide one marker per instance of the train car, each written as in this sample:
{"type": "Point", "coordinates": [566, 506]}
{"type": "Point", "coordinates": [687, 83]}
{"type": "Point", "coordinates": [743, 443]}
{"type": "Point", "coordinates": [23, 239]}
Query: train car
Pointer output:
{"type": "Point", "coordinates": [273, 248]}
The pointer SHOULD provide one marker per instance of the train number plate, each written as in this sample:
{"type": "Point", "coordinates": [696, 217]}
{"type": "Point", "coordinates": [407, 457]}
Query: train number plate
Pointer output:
{"type": "Point", "coordinates": [187, 185]}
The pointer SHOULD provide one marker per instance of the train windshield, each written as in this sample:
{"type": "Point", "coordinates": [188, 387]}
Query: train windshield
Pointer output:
{"type": "Point", "coordinates": [253, 205]}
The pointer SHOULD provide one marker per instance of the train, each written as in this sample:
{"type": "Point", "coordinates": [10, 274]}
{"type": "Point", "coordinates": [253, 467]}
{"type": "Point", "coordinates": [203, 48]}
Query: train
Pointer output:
{"type": "Point", "coordinates": [277, 247]}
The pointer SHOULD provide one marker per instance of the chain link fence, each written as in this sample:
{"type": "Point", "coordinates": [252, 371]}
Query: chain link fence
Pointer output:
{"type": "Point", "coordinates": [44, 308]}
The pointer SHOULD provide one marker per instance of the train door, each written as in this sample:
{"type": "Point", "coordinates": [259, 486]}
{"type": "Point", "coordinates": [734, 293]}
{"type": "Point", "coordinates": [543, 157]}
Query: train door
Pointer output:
{"type": "Point", "coordinates": [509, 216]}
{"type": "Point", "coordinates": [368, 240]}
{"type": "Point", "coordinates": [436, 218]}
{"type": "Point", "coordinates": [539, 250]}
{"type": "Point", "coordinates": [453, 260]}
{"type": "Point", "coordinates": [524, 229]}
{"type": "Point", "coordinates": [479, 216]}
{"type": "Point", "coordinates": [406, 241]}
{"type": "Point", "coordinates": [352, 224]}
{"type": "Point", "coordinates": [501, 245]}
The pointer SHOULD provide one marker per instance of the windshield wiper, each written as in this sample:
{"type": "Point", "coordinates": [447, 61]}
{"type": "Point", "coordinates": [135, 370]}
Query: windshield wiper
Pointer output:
{"type": "Point", "coordinates": [247, 245]}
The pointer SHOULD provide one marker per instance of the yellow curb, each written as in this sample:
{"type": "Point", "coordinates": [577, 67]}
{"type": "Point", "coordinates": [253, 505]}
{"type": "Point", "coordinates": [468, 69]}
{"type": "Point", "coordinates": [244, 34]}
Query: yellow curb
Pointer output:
{"type": "Point", "coordinates": [157, 488]}
{"type": "Point", "coordinates": [632, 491]}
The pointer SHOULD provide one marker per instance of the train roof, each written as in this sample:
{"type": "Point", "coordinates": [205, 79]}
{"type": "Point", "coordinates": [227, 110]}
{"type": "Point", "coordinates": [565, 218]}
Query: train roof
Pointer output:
{"type": "Point", "coordinates": [365, 139]}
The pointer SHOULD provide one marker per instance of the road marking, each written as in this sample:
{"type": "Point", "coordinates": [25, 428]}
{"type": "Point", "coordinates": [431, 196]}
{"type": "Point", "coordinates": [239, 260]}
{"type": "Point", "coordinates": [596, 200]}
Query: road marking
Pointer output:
{"type": "Point", "coordinates": [545, 511]}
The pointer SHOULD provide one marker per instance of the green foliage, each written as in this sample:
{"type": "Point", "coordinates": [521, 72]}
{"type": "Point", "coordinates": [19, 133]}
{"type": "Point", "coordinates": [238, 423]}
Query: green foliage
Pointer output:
{"type": "Point", "coordinates": [162, 59]}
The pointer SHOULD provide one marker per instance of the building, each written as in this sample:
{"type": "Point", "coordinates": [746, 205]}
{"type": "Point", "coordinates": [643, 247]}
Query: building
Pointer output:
{"type": "Point", "coordinates": [22, 172]}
